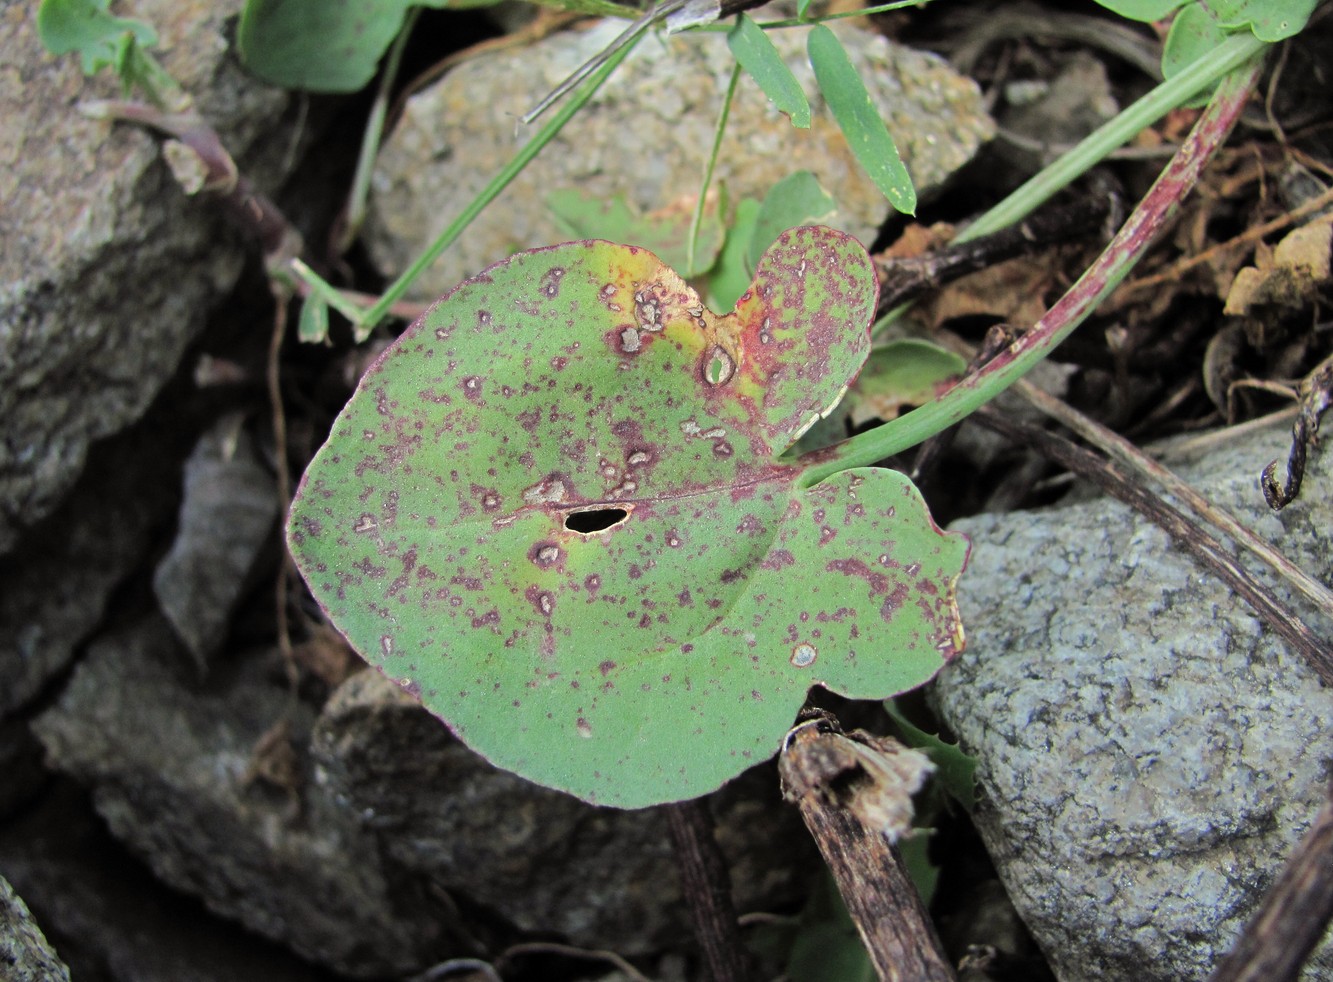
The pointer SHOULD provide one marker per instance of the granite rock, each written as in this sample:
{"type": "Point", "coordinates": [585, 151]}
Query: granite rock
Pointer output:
{"type": "Point", "coordinates": [107, 270]}
{"type": "Point", "coordinates": [1149, 751]}
{"type": "Point", "coordinates": [646, 136]}
{"type": "Point", "coordinates": [24, 954]}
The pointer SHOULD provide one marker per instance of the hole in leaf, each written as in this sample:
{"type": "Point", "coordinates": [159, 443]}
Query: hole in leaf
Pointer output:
{"type": "Point", "coordinates": [594, 519]}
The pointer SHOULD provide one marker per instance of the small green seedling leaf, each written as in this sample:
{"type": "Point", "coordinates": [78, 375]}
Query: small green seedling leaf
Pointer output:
{"type": "Point", "coordinates": [827, 944]}
{"type": "Point", "coordinates": [858, 119]}
{"type": "Point", "coordinates": [664, 232]}
{"type": "Point", "coordinates": [556, 510]}
{"type": "Point", "coordinates": [760, 58]}
{"type": "Point", "coordinates": [955, 770]}
{"type": "Point", "coordinates": [733, 270]}
{"type": "Point", "coordinates": [1145, 11]}
{"type": "Point", "coordinates": [903, 373]}
{"type": "Point", "coordinates": [1194, 34]}
{"type": "Point", "coordinates": [794, 200]}
{"type": "Point", "coordinates": [85, 26]}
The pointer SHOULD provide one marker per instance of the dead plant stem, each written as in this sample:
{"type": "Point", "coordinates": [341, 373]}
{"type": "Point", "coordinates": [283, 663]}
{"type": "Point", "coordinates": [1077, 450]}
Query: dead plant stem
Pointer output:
{"type": "Point", "coordinates": [1125, 452]}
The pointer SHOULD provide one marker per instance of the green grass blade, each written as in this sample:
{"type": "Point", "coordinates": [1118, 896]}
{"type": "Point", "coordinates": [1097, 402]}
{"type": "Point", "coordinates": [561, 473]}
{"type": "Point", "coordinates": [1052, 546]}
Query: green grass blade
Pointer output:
{"type": "Point", "coordinates": [491, 191]}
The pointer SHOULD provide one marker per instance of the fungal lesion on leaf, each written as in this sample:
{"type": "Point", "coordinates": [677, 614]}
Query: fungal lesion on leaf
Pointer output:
{"type": "Point", "coordinates": [590, 521]}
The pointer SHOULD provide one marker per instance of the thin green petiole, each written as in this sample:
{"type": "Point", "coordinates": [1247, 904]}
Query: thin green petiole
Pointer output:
{"type": "Point", "coordinates": [370, 142]}
{"type": "Point", "coordinates": [697, 219]}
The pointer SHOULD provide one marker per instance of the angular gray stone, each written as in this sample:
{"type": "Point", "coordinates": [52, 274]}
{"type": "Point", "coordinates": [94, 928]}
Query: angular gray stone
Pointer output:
{"type": "Point", "coordinates": [177, 774]}
{"type": "Point", "coordinates": [55, 588]}
{"type": "Point", "coordinates": [1149, 751]}
{"type": "Point", "coordinates": [547, 862]}
{"type": "Point", "coordinates": [107, 269]}
{"type": "Point", "coordinates": [646, 136]}
{"type": "Point", "coordinates": [110, 920]}
{"type": "Point", "coordinates": [231, 503]}
{"type": "Point", "coordinates": [24, 954]}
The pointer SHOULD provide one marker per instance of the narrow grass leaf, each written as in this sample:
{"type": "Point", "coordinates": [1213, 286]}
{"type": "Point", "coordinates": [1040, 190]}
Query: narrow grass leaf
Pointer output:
{"type": "Point", "coordinates": [859, 120]}
{"type": "Point", "coordinates": [760, 58]}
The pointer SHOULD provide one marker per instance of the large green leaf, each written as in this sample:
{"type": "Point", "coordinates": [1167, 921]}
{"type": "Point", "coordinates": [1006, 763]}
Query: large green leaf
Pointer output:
{"type": "Point", "coordinates": [335, 45]}
{"type": "Point", "coordinates": [318, 45]}
{"type": "Point", "coordinates": [446, 526]}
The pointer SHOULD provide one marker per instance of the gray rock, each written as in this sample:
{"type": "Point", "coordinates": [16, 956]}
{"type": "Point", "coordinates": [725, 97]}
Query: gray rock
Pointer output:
{"type": "Point", "coordinates": [1149, 752]}
{"type": "Point", "coordinates": [107, 270]}
{"type": "Point", "coordinates": [207, 786]}
{"type": "Point", "coordinates": [24, 954]}
{"type": "Point", "coordinates": [111, 921]}
{"type": "Point", "coordinates": [646, 136]}
{"type": "Point", "coordinates": [54, 590]}
{"type": "Point", "coordinates": [390, 846]}
{"type": "Point", "coordinates": [231, 502]}
{"type": "Point", "coordinates": [547, 862]}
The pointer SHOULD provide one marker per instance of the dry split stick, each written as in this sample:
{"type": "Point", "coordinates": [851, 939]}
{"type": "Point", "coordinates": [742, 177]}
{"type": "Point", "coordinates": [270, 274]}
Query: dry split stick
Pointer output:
{"type": "Point", "coordinates": [707, 886]}
{"type": "Point", "coordinates": [1126, 453]}
{"type": "Point", "coordinates": [1293, 915]}
{"type": "Point", "coordinates": [893, 923]}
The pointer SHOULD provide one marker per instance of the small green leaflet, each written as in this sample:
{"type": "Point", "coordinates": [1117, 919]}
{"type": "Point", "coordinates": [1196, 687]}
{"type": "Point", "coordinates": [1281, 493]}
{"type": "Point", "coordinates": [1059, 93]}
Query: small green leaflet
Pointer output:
{"type": "Point", "coordinates": [858, 119]}
{"type": "Point", "coordinates": [758, 56]}
{"type": "Point", "coordinates": [85, 26]}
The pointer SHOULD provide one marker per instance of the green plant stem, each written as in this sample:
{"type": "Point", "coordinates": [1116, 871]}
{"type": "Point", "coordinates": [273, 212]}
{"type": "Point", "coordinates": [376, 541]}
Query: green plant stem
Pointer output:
{"type": "Point", "coordinates": [1125, 249]}
{"type": "Point", "coordinates": [1097, 145]}
{"type": "Point", "coordinates": [697, 219]}
{"type": "Point", "coordinates": [1226, 58]}
{"type": "Point", "coordinates": [553, 126]}
{"type": "Point", "coordinates": [317, 286]}
{"type": "Point", "coordinates": [370, 142]}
